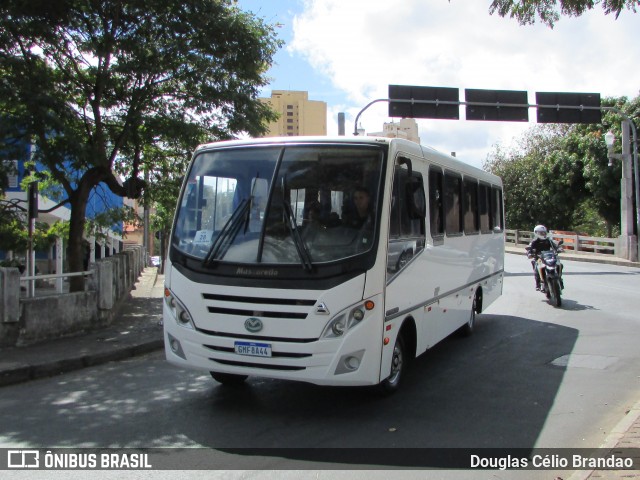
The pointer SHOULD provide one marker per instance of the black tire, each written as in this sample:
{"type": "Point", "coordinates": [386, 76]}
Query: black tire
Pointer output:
{"type": "Point", "coordinates": [228, 378]}
{"type": "Point", "coordinates": [391, 384]}
{"type": "Point", "coordinates": [556, 299]}
{"type": "Point", "coordinates": [404, 259]}
{"type": "Point", "coordinates": [467, 329]}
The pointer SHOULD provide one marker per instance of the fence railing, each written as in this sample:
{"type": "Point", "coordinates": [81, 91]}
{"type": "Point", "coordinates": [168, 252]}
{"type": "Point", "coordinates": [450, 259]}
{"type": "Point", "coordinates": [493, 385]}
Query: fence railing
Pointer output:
{"type": "Point", "coordinates": [28, 318]}
{"type": "Point", "coordinates": [55, 280]}
{"type": "Point", "coordinates": [574, 242]}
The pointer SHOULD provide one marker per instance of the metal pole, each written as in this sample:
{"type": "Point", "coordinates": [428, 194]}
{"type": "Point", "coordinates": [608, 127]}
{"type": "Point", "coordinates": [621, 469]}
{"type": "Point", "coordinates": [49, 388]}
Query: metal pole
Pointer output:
{"type": "Point", "coordinates": [146, 241]}
{"type": "Point", "coordinates": [626, 196]}
{"type": "Point", "coordinates": [634, 141]}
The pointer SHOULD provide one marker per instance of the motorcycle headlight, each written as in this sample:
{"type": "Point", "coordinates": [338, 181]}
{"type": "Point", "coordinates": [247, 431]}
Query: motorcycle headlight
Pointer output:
{"type": "Point", "coordinates": [178, 310]}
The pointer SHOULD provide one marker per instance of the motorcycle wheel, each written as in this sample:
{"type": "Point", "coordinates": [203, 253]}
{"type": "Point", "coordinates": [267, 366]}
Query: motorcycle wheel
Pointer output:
{"type": "Point", "coordinates": [554, 292]}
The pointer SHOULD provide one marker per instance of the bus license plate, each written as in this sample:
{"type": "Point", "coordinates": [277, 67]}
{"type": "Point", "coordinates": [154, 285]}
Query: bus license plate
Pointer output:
{"type": "Point", "coordinates": [253, 349]}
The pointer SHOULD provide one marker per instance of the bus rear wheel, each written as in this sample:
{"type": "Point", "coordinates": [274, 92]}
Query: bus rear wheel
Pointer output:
{"type": "Point", "coordinates": [467, 329]}
{"type": "Point", "coordinates": [228, 378]}
{"type": "Point", "coordinates": [398, 364]}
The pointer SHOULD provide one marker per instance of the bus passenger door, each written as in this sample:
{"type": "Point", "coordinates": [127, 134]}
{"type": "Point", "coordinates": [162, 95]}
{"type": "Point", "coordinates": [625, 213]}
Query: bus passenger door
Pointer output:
{"type": "Point", "coordinates": [406, 241]}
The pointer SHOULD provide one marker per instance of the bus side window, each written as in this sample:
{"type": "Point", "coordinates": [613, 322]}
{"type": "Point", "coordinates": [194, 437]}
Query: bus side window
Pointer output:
{"type": "Point", "coordinates": [484, 205]}
{"type": "Point", "coordinates": [406, 219]}
{"type": "Point", "coordinates": [453, 203]}
{"type": "Point", "coordinates": [470, 206]}
{"type": "Point", "coordinates": [436, 206]}
{"type": "Point", "coordinates": [497, 219]}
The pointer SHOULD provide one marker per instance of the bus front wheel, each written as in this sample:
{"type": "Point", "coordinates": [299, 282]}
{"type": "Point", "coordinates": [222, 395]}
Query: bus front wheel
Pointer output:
{"type": "Point", "coordinates": [228, 378]}
{"type": "Point", "coordinates": [398, 363]}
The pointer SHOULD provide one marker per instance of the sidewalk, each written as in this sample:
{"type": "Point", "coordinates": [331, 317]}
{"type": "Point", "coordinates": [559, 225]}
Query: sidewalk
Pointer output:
{"type": "Point", "coordinates": [138, 330]}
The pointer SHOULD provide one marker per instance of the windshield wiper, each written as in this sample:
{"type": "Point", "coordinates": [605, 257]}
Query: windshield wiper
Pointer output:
{"type": "Point", "coordinates": [290, 219]}
{"type": "Point", "coordinates": [228, 233]}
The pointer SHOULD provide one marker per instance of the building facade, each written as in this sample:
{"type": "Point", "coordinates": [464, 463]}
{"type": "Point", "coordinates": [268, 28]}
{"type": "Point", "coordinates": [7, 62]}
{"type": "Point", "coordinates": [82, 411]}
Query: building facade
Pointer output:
{"type": "Point", "coordinates": [406, 128]}
{"type": "Point", "coordinates": [298, 115]}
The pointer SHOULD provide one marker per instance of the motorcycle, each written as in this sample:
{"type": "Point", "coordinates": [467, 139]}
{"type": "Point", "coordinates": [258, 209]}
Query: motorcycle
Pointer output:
{"type": "Point", "coordinates": [550, 270]}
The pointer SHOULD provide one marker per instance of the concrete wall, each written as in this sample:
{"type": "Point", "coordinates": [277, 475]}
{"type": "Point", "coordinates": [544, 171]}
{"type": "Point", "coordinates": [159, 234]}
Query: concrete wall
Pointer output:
{"type": "Point", "coordinates": [55, 316]}
{"type": "Point", "coordinates": [24, 321]}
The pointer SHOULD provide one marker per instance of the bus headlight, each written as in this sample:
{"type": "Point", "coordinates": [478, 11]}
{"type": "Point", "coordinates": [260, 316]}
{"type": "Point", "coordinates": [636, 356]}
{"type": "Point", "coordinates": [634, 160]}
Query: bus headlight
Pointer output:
{"type": "Point", "coordinates": [345, 320]}
{"type": "Point", "coordinates": [178, 310]}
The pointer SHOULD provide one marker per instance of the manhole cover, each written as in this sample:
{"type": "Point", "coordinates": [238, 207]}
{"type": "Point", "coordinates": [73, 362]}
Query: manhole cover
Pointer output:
{"type": "Point", "coordinates": [596, 362]}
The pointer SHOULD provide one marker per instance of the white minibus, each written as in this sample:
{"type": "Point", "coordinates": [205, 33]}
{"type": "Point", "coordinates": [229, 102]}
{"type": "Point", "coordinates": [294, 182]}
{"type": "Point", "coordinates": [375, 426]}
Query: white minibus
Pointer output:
{"type": "Point", "coordinates": [334, 261]}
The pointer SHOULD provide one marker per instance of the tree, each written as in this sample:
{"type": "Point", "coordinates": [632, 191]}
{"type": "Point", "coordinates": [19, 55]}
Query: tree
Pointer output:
{"type": "Point", "coordinates": [542, 182]}
{"type": "Point", "coordinates": [602, 180]}
{"type": "Point", "coordinates": [526, 11]}
{"type": "Point", "coordinates": [559, 175]}
{"type": "Point", "coordinates": [91, 83]}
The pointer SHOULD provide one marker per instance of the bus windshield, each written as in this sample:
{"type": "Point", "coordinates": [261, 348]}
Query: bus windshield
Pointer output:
{"type": "Point", "coordinates": [302, 205]}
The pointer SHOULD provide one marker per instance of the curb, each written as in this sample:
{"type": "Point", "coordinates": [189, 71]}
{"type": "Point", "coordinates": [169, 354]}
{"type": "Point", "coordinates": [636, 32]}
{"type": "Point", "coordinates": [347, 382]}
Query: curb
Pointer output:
{"type": "Point", "coordinates": [14, 373]}
{"type": "Point", "coordinates": [612, 440]}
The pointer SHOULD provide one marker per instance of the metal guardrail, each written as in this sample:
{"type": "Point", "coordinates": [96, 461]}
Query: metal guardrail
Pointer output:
{"type": "Point", "coordinates": [58, 277]}
{"type": "Point", "coordinates": [577, 243]}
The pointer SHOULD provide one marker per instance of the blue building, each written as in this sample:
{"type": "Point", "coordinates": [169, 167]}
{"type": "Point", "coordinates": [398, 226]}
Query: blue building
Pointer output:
{"type": "Point", "coordinates": [100, 200]}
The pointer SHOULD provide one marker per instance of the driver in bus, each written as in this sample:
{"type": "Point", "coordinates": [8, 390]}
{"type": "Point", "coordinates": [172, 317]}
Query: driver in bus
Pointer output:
{"type": "Point", "coordinates": [362, 219]}
{"type": "Point", "coordinates": [362, 201]}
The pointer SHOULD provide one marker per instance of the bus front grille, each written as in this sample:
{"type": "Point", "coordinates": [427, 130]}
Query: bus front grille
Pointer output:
{"type": "Point", "coordinates": [256, 338]}
{"type": "Point", "coordinates": [257, 365]}
{"type": "Point", "coordinates": [245, 306]}
{"type": "Point", "coordinates": [250, 313]}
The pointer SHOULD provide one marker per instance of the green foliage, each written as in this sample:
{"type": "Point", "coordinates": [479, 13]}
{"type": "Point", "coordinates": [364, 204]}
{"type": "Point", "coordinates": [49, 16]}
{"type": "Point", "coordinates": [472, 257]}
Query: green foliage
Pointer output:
{"type": "Point", "coordinates": [14, 232]}
{"type": "Point", "coordinates": [549, 11]}
{"type": "Point", "coordinates": [98, 85]}
{"type": "Point", "coordinates": [588, 220]}
{"type": "Point", "coordinates": [110, 219]}
{"type": "Point", "coordinates": [558, 175]}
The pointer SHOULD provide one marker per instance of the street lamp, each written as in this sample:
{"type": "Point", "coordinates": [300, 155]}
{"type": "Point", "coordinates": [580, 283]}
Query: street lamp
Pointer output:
{"type": "Point", "coordinates": [610, 139]}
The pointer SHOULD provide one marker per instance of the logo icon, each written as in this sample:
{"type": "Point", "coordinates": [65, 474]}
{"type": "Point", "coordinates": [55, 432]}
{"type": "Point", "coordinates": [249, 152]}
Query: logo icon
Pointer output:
{"type": "Point", "coordinates": [23, 459]}
{"type": "Point", "coordinates": [253, 324]}
{"type": "Point", "coordinates": [321, 309]}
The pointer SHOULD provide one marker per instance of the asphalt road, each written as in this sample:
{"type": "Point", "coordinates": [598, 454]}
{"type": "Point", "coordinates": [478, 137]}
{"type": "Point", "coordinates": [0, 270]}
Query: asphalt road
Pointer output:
{"type": "Point", "coordinates": [531, 376]}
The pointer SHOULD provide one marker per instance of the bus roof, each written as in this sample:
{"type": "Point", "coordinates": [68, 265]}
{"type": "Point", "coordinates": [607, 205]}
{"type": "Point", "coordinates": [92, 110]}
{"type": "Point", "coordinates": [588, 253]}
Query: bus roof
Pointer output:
{"type": "Point", "coordinates": [429, 153]}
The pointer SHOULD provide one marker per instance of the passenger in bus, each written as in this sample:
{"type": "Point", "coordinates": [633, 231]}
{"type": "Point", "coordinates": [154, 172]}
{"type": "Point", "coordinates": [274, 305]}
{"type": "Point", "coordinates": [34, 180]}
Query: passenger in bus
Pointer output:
{"type": "Point", "coordinates": [313, 213]}
{"type": "Point", "coordinates": [312, 223]}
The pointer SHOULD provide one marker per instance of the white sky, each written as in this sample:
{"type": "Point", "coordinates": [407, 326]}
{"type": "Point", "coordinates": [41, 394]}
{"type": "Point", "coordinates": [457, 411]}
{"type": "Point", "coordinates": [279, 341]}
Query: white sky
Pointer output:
{"type": "Point", "coordinates": [347, 52]}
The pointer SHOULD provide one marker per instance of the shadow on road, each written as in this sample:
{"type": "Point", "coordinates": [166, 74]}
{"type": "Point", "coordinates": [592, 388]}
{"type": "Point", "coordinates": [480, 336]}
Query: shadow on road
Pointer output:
{"type": "Point", "coordinates": [492, 390]}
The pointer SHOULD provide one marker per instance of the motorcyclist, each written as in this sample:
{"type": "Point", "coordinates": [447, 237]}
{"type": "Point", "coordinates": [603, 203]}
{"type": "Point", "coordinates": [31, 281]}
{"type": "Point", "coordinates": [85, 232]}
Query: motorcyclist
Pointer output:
{"type": "Point", "coordinates": [540, 243]}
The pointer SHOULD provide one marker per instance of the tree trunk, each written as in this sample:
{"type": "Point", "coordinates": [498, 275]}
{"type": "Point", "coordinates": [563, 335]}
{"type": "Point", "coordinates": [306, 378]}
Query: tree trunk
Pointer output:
{"type": "Point", "coordinates": [75, 250]}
